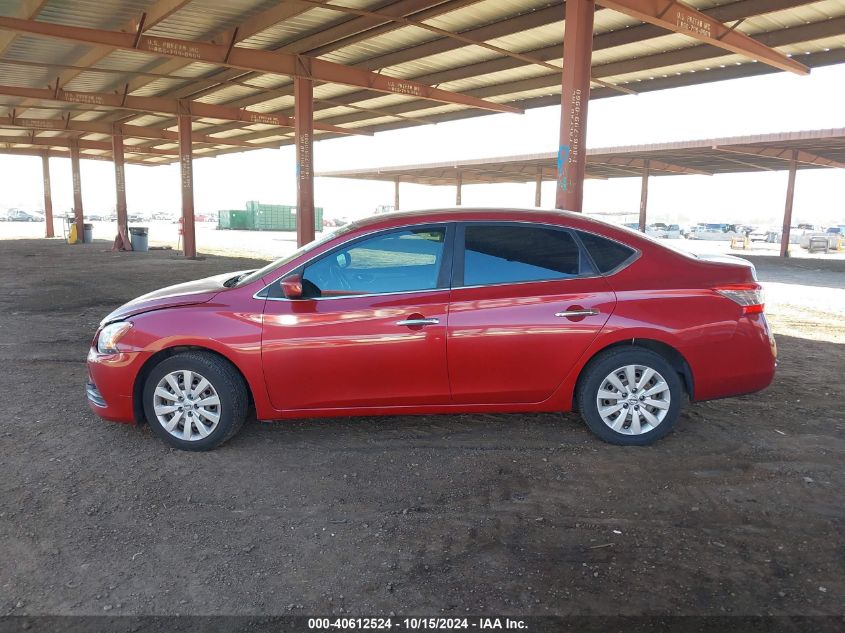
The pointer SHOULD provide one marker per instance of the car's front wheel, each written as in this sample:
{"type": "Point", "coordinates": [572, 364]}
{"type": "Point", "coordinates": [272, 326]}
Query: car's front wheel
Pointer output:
{"type": "Point", "coordinates": [195, 401]}
{"type": "Point", "coordinates": [630, 396]}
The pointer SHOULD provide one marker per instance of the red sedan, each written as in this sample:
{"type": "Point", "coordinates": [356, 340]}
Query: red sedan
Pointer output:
{"type": "Point", "coordinates": [441, 312]}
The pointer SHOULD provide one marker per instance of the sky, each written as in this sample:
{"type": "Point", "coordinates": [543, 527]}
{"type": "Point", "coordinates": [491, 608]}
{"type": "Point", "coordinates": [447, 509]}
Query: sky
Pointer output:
{"type": "Point", "coordinates": [774, 103]}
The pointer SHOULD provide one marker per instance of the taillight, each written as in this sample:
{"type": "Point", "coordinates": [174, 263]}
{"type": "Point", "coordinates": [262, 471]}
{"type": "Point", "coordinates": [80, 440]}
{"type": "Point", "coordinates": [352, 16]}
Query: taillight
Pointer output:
{"type": "Point", "coordinates": [749, 296]}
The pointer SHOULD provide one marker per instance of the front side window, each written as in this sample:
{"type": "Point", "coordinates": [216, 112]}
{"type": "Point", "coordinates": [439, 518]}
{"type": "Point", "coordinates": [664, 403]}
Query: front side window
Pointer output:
{"type": "Point", "coordinates": [405, 260]}
{"type": "Point", "coordinates": [512, 253]}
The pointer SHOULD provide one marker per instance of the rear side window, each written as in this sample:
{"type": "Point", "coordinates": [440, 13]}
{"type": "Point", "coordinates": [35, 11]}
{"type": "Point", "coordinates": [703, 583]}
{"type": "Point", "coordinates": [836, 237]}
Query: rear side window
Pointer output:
{"type": "Point", "coordinates": [607, 254]}
{"type": "Point", "coordinates": [497, 254]}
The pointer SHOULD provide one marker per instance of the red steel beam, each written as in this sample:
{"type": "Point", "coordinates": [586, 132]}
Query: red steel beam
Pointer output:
{"type": "Point", "coordinates": [787, 211]}
{"type": "Point", "coordinates": [638, 164]}
{"type": "Point", "coordinates": [575, 93]}
{"type": "Point", "coordinates": [806, 158]}
{"type": "Point", "coordinates": [48, 194]}
{"type": "Point", "coordinates": [679, 17]}
{"type": "Point", "coordinates": [164, 105]}
{"type": "Point", "coordinates": [32, 151]}
{"type": "Point", "coordinates": [304, 103]}
{"type": "Point", "coordinates": [133, 131]}
{"type": "Point", "coordinates": [186, 167]}
{"type": "Point", "coordinates": [77, 191]}
{"type": "Point", "coordinates": [53, 141]}
{"type": "Point", "coordinates": [120, 185]}
{"type": "Point", "coordinates": [644, 196]}
{"type": "Point", "coordinates": [249, 59]}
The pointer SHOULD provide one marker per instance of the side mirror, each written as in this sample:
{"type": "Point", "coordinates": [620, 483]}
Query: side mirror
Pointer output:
{"type": "Point", "coordinates": [292, 286]}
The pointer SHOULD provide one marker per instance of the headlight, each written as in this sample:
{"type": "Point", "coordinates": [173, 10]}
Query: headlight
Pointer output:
{"type": "Point", "coordinates": [110, 335]}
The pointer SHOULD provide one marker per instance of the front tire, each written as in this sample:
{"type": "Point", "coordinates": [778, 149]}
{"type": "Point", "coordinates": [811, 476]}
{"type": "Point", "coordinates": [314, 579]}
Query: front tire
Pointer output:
{"type": "Point", "coordinates": [630, 396]}
{"type": "Point", "coordinates": [195, 401]}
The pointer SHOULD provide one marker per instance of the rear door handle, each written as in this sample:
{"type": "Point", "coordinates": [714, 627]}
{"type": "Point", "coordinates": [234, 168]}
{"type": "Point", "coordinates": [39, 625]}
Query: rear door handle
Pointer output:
{"type": "Point", "coordinates": [576, 313]}
{"type": "Point", "coordinates": [418, 322]}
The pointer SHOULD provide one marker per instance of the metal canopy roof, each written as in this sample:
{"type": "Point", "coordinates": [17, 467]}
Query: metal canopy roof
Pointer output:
{"type": "Point", "coordinates": [817, 149]}
{"type": "Point", "coordinates": [505, 52]}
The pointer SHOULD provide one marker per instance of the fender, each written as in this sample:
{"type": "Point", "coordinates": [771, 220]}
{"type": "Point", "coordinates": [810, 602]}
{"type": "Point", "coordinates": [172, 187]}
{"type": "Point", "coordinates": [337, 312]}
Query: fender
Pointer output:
{"type": "Point", "coordinates": [611, 335]}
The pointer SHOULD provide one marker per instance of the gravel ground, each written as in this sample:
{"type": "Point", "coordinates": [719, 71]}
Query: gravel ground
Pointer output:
{"type": "Point", "coordinates": [738, 512]}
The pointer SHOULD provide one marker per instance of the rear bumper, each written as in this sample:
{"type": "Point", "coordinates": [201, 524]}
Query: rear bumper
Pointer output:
{"type": "Point", "coordinates": [743, 364]}
{"type": "Point", "coordinates": [111, 382]}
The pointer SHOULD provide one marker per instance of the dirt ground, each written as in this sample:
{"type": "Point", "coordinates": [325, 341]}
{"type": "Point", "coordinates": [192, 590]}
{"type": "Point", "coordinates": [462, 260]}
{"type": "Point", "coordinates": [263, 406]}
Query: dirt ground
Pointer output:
{"type": "Point", "coordinates": [739, 511]}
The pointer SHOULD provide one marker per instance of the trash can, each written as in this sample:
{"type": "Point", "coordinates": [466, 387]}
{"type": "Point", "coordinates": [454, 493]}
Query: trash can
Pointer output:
{"type": "Point", "coordinates": [87, 233]}
{"type": "Point", "coordinates": [139, 236]}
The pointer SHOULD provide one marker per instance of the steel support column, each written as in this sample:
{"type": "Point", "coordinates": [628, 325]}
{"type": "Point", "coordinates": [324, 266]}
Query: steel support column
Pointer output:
{"type": "Point", "coordinates": [787, 211]}
{"type": "Point", "coordinates": [48, 195]}
{"type": "Point", "coordinates": [575, 93]}
{"type": "Point", "coordinates": [396, 182]}
{"type": "Point", "coordinates": [538, 190]}
{"type": "Point", "coordinates": [644, 196]}
{"type": "Point", "coordinates": [303, 96]}
{"type": "Point", "coordinates": [459, 181]}
{"type": "Point", "coordinates": [77, 191]}
{"type": "Point", "coordinates": [120, 186]}
{"type": "Point", "coordinates": [186, 164]}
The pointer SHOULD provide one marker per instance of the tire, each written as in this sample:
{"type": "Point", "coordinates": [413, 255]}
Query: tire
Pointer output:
{"type": "Point", "coordinates": [664, 383]}
{"type": "Point", "coordinates": [224, 384]}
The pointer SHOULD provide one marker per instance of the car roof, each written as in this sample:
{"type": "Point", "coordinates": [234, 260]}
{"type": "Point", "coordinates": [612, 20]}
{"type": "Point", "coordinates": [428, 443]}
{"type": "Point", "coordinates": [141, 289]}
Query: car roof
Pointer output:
{"type": "Point", "coordinates": [470, 214]}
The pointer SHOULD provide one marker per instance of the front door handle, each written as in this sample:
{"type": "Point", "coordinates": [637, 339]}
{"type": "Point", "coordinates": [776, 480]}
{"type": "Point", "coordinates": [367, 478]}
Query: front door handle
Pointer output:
{"type": "Point", "coordinates": [577, 313]}
{"type": "Point", "coordinates": [418, 322]}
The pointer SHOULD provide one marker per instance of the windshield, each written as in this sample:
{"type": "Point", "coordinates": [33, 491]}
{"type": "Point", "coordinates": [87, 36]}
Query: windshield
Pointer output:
{"type": "Point", "coordinates": [261, 272]}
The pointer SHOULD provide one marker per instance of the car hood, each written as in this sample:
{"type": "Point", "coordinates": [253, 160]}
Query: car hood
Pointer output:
{"type": "Point", "coordinates": [189, 293]}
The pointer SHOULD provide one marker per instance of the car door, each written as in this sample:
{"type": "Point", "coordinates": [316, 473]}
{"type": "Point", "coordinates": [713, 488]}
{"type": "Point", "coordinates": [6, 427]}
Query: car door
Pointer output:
{"type": "Point", "coordinates": [525, 306]}
{"type": "Point", "coordinates": [370, 330]}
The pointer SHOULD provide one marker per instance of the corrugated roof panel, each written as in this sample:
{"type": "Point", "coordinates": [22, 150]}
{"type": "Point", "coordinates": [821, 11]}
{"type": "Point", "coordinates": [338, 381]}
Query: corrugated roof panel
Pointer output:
{"type": "Point", "coordinates": [678, 69]}
{"type": "Point", "coordinates": [95, 14]}
{"type": "Point", "coordinates": [514, 74]}
{"type": "Point", "coordinates": [795, 16]}
{"type": "Point", "coordinates": [480, 13]}
{"type": "Point", "coordinates": [229, 93]}
{"type": "Point", "coordinates": [13, 75]}
{"type": "Point", "coordinates": [43, 49]}
{"type": "Point", "coordinates": [202, 19]}
{"type": "Point", "coordinates": [158, 86]}
{"type": "Point", "coordinates": [805, 48]}
{"type": "Point", "coordinates": [651, 46]}
{"type": "Point", "coordinates": [308, 21]}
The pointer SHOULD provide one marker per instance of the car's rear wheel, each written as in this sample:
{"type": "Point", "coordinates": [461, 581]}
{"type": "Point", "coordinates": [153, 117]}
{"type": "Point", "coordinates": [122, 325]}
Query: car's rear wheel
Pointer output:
{"type": "Point", "coordinates": [630, 396]}
{"type": "Point", "coordinates": [195, 401]}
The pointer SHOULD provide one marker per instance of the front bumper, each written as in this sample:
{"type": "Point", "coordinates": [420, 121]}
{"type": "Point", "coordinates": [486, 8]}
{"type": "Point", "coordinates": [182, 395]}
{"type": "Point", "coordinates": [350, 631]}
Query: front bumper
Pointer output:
{"type": "Point", "coordinates": [111, 384]}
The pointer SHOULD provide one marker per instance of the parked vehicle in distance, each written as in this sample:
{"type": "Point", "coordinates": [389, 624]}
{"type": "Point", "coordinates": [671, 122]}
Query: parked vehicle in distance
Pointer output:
{"type": "Point", "coordinates": [451, 311]}
{"type": "Point", "coordinates": [833, 234]}
{"type": "Point", "coordinates": [135, 217]}
{"type": "Point", "coordinates": [715, 231]}
{"type": "Point", "coordinates": [19, 215]}
{"type": "Point", "coordinates": [162, 216]}
{"type": "Point", "coordinates": [674, 232]}
{"type": "Point", "coordinates": [657, 229]}
{"type": "Point", "coordinates": [763, 234]}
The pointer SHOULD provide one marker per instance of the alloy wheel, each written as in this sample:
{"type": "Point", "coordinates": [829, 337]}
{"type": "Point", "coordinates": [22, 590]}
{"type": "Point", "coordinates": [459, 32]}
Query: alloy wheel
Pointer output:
{"type": "Point", "coordinates": [633, 399]}
{"type": "Point", "coordinates": [187, 405]}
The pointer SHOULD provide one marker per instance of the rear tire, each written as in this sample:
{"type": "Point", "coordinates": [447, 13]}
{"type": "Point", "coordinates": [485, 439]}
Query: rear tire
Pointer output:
{"type": "Point", "coordinates": [630, 396]}
{"type": "Point", "coordinates": [195, 401]}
